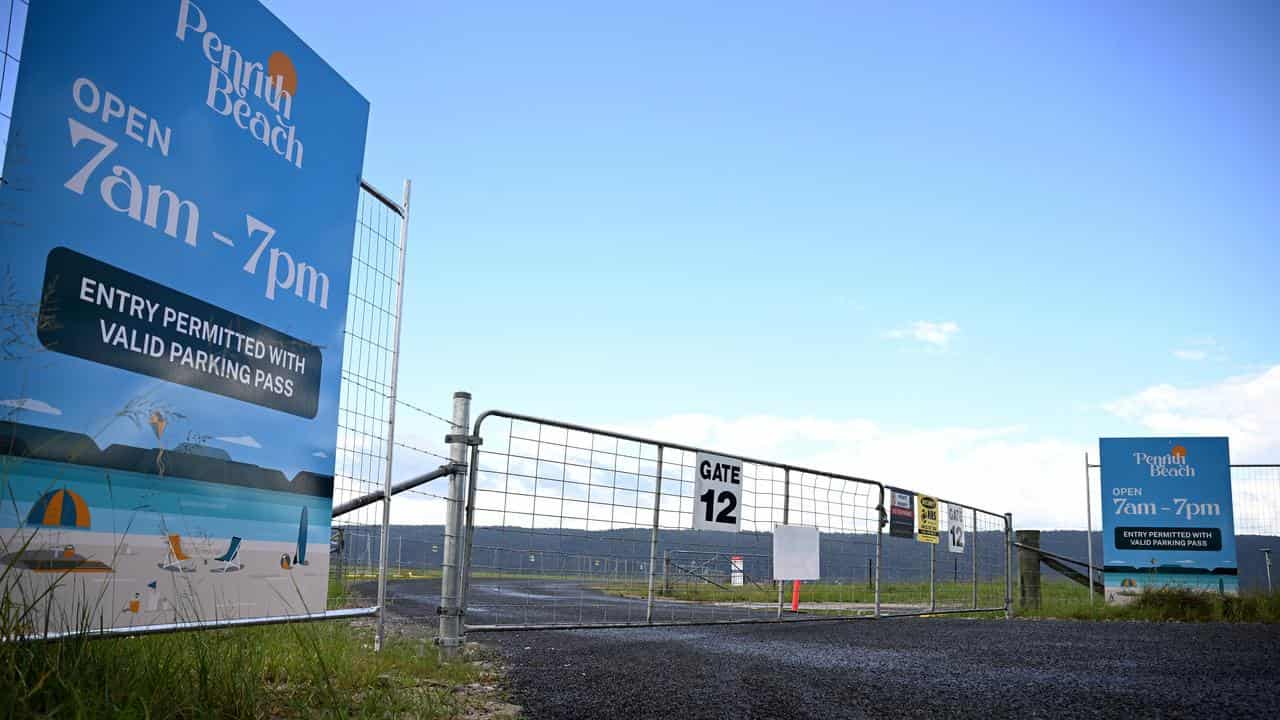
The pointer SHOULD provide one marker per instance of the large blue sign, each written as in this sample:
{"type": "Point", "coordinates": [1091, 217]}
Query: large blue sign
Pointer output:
{"type": "Point", "coordinates": [1166, 515]}
{"type": "Point", "coordinates": [178, 213]}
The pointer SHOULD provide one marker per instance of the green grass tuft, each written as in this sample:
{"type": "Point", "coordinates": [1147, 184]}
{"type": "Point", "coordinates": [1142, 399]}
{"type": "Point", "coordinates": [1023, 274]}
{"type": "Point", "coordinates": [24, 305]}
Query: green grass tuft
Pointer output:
{"type": "Point", "coordinates": [285, 671]}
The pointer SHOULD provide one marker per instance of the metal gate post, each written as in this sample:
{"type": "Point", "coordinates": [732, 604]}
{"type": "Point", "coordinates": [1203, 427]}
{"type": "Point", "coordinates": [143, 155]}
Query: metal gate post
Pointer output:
{"type": "Point", "coordinates": [653, 540]}
{"type": "Point", "coordinates": [933, 577]}
{"type": "Point", "coordinates": [1088, 513]}
{"type": "Point", "coordinates": [881, 520]}
{"type": "Point", "coordinates": [975, 559]}
{"type": "Point", "coordinates": [451, 560]}
{"type": "Point", "coordinates": [666, 565]}
{"type": "Point", "coordinates": [385, 540]}
{"type": "Point", "coordinates": [1008, 565]}
{"type": "Point", "coordinates": [786, 516]}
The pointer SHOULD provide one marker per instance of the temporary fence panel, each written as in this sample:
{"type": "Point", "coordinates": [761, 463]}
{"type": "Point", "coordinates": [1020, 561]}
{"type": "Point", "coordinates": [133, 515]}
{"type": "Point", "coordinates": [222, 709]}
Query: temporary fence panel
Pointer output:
{"type": "Point", "coordinates": [1255, 498]}
{"type": "Point", "coordinates": [569, 525]}
{"type": "Point", "coordinates": [366, 414]}
{"type": "Point", "coordinates": [920, 577]}
{"type": "Point", "coordinates": [366, 407]}
{"type": "Point", "coordinates": [1255, 501]}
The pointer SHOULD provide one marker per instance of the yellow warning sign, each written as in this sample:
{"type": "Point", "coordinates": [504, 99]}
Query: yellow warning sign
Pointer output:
{"type": "Point", "coordinates": [928, 519]}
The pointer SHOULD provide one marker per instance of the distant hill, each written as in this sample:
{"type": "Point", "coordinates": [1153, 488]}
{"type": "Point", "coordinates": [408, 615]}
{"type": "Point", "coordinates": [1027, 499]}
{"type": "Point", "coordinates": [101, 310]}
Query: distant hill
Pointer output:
{"type": "Point", "coordinates": [188, 460]}
{"type": "Point", "coordinates": [842, 555]}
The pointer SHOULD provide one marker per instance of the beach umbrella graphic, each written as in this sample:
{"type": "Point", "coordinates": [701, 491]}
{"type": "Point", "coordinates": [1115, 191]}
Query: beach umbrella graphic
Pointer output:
{"type": "Point", "coordinates": [60, 508]}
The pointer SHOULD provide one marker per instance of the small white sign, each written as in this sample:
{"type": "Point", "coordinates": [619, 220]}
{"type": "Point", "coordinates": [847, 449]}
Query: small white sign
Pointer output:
{"type": "Point", "coordinates": [795, 552]}
{"type": "Point", "coordinates": [955, 528]}
{"type": "Point", "coordinates": [717, 493]}
{"type": "Point", "coordinates": [736, 576]}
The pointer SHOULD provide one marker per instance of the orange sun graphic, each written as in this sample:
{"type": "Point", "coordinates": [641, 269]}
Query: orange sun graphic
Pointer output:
{"type": "Point", "coordinates": [1178, 451]}
{"type": "Point", "coordinates": [280, 67]}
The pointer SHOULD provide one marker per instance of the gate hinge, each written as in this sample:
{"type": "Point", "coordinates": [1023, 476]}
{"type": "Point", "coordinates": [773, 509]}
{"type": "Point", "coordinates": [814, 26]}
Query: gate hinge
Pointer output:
{"type": "Point", "coordinates": [472, 440]}
{"type": "Point", "coordinates": [884, 517]}
{"type": "Point", "coordinates": [442, 610]}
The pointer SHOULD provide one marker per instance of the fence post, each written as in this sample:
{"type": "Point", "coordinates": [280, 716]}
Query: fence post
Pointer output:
{"type": "Point", "coordinates": [1008, 565]}
{"type": "Point", "coordinates": [933, 577]}
{"type": "Point", "coordinates": [881, 520]}
{"type": "Point", "coordinates": [653, 540]}
{"type": "Point", "coordinates": [1029, 569]}
{"type": "Point", "coordinates": [385, 540]}
{"type": "Point", "coordinates": [786, 517]}
{"type": "Point", "coordinates": [666, 565]}
{"type": "Point", "coordinates": [1266, 557]}
{"type": "Point", "coordinates": [974, 559]}
{"type": "Point", "coordinates": [342, 554]}
{"type": "Point", "coordinates": [451, 559]}
{"type": "Point", "coordinates": [1088, 513]}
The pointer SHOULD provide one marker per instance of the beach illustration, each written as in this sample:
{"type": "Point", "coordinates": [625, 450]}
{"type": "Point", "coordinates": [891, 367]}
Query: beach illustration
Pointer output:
{"type": "Point", "coordinates": [205, 539]}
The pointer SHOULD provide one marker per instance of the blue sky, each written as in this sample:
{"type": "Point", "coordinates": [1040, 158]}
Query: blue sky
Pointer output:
{"type": "Point", "coordinates": [1025, 221]}
{"type": "Point", "coordinates": [944, 247]}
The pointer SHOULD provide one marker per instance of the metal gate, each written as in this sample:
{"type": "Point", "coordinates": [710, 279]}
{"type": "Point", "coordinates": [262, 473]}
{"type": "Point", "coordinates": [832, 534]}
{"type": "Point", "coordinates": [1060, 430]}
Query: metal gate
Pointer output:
{"type": "Point", "coordinates": [573, 526]}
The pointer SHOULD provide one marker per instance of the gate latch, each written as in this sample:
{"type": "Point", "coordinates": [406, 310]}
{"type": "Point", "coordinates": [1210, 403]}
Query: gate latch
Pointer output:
{"type": "Point", "coordinates": [472, 440]}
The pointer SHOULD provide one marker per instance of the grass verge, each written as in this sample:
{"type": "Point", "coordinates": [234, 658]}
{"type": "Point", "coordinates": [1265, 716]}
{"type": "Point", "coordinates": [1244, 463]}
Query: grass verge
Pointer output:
{"type": "Point", "coordinates": [1067, 600]}
{"type": "Point", "coordinates": [284, 671]}
{"type": "Point", "coordinates": [990, 594]}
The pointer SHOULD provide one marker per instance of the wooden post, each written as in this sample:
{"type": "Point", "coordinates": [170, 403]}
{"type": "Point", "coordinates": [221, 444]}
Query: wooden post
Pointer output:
{"type": "Point", "coordinates": [1029, 568]}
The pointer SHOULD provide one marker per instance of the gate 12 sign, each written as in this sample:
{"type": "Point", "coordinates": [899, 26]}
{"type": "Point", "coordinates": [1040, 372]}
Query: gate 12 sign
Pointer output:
{"type": "Point", "coordinates": [955, 528]}
{"type": "Point", "coordinates": [717, 494]}
{"type": "Point", "coordinates": [178, 215]}
{"type": "Point", "coordinates": [1167, 515]}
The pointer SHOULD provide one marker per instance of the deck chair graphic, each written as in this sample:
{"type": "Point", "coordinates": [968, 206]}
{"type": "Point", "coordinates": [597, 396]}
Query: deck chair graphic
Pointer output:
{"type": "Point", "coordinates": [175, 559]}
{"type": "Point", "coordinates": [230, 559]}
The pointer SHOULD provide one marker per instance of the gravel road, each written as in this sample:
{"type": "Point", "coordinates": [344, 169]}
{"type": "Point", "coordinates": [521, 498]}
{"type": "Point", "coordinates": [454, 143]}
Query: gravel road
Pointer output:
{"type": "Point", "coordinates": [892, 668]}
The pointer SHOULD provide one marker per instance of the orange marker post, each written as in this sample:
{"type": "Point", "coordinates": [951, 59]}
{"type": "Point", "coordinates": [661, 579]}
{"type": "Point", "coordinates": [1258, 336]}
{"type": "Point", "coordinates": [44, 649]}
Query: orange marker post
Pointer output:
{"type": "Point", "coordinates": [795, 596]}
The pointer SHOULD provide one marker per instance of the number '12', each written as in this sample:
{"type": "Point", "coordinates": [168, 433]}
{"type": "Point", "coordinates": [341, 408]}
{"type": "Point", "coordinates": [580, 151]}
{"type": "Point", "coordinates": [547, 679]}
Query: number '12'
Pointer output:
{"type": "Point", "coordinates": [725, 515]}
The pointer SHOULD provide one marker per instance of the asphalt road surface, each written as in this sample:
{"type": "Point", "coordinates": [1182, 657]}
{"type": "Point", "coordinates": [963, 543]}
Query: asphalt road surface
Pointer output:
{"type": "Point", "coordinates": [535, 601]}
{"type": "Point", "coordinates": [890, 668]}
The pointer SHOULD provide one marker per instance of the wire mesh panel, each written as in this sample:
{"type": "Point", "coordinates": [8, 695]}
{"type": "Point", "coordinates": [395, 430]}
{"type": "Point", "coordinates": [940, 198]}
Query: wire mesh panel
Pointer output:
{"type": "Point", "coordinates": [562, 524]}
{"type": "Point", "coordinates": [920, 577]}
{"type": "Point", "coordinates": [1255, 503]}
{"type": "Point", "coordinates": [572, 525]}
{"type": "Point", "coordinates": [365, 405]}
{"type": "Point", "coordinates": [13, 22]}
{"type": "Point", "coordinates": [1255, 499]}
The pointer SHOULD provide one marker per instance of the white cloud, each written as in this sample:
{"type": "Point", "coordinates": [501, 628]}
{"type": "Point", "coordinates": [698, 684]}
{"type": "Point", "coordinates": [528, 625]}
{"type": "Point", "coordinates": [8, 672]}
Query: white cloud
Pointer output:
{"type": "Point", "coordinates": [1244, 408]}
{"type": "Point", "coordinates": [32, 405]}
{"type": "Point", "coordinates": [1002, 468]}
{"type": "Point", "coordinates": [996, 468]}
{"type": "Point", "coordinates": [245, 440]}
{"type": "Point", "coordinates": [938, 334]}
{"type": "Point", "coordinates": [1190, 354]}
